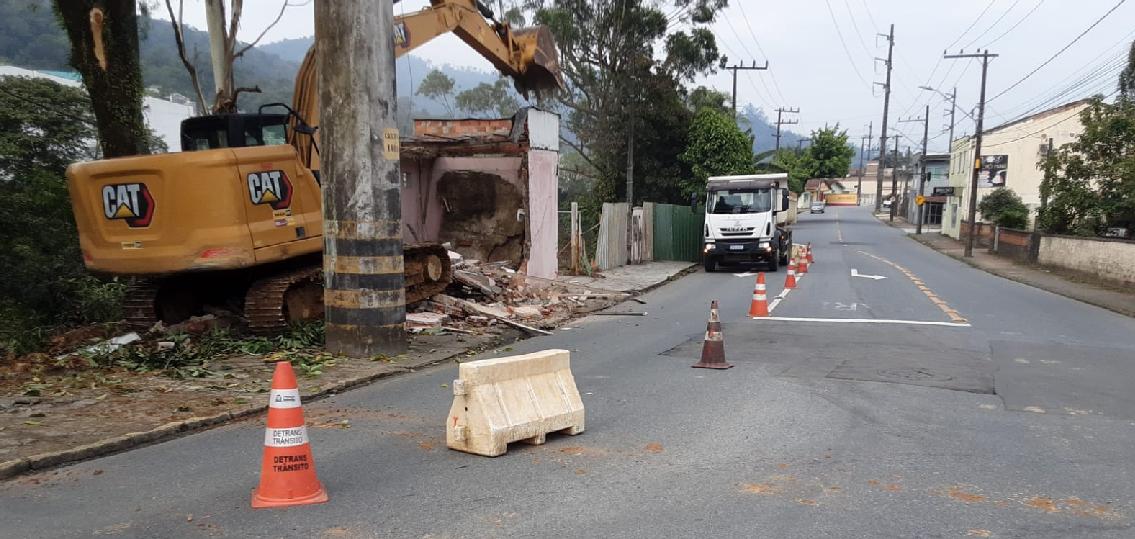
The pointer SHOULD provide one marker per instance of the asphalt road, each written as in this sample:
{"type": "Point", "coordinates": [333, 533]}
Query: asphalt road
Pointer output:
{"type": "Point", "coordinates": [1017, 422]}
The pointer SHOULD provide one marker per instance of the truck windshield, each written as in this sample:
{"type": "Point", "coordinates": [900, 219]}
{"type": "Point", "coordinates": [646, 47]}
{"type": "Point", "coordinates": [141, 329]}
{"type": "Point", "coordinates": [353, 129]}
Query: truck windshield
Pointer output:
{"type": "Point", "coordinates": [749, 201]}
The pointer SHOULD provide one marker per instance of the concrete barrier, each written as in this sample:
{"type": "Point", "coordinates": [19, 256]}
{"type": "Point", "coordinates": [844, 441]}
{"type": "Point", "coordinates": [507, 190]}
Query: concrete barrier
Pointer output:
{"type": "Point", "coordinates": [513, 399]}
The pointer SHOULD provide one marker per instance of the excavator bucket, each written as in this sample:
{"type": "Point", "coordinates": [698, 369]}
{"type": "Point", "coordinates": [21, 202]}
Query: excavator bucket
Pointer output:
{"type": "Point", "coordinates": [541, 68]}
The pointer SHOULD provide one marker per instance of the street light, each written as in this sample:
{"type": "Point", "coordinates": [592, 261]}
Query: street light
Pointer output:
{"type": "Point", "coordinates": [951, 97]}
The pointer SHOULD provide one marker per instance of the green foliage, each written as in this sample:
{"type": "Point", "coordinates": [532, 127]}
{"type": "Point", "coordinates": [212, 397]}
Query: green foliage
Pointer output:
{"type": "Point", "coordinates": [716, 148]}
{"type": "Point", "coordinates": [33, 38]}
{"type": "Point", "coordinates": [1003, 207]}
{"type": "Point", "coordinates": [487, 99]}
{"type": "Point", "coordinates": [44, 126]}
{"type": "Point", "coordinates": [437, 86]}
{"type": "Point", "coordinates": [625, 63]}
{"type": "Point", "coordinates": [1090, 183]}
{"type": "Point", "coordinates": [702, 98]}
{"type": "Point", "coordinates": [831, 152]}
{"type": "Point", "coordinates": [800, 167]}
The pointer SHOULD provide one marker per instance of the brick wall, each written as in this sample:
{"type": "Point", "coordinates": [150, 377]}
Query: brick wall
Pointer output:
{"type": "Point", "coordinates": [1014, 243]}
{"type": "Point", "coordinates": [984, 233]}
{"type": "Point", "coordinates": [465, 126]}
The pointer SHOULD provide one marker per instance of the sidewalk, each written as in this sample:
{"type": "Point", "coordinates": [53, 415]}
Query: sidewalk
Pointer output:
{"type": "Point", "coordinates": [1075, 286]}
{"type": "Point", "coordinates": [636, 278]}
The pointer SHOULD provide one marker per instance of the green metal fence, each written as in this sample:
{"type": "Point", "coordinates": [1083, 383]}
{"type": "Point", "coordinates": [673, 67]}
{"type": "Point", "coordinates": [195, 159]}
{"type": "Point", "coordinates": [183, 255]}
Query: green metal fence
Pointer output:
{"type": "Point", "coordinates": [677, 232]}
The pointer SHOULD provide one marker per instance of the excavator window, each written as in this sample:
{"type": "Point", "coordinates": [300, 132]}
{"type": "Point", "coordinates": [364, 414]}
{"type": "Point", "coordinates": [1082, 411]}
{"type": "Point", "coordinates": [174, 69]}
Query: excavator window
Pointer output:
{"type": "Point", "coordinates": [233, 131]}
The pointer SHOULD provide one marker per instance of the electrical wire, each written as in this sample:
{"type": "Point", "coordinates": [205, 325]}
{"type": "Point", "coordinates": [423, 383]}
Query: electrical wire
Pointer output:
{"type": "Point", "coordinates": [839, 33]}
{"type": "Point", "coordinates": [993, 25]}
{"type": "Point", "coordinates": [1016, 24]}
{"type": "Point", "coordinates": [1059, 52]}
{"type": "Point", "coordinates": [747, 51]}
{"type": "Point", "coordinates": [760, 49]}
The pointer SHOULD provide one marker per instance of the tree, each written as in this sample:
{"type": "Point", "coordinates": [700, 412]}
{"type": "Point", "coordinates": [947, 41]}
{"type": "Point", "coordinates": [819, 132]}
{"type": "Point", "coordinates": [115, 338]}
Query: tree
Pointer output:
{"type": "Point", "coordinates": [716, 148]}
{"type": "Point", "coordinates": [625, 63]}
{"type": "Point", "coordinates": [1003, 207]}
{"type": "Point", "coordinates": [1090, 182]}
{"type": "Point", "coordinates": [831, 152]}
{"type": "Point", "coordinates": [800, 167]}
{"type": "Point", "coordinates": [488, 99]}
{"type": "Point", "coordinates": [437, 86]}
{"type": "Point", "coordinates": [104, 49]}
{"type": "Point", "coordinates": [1127, 76]}
{"type": "Point", "coordinates": [44, 282]}
{"type": "Point", "coordinates": [702, 97]}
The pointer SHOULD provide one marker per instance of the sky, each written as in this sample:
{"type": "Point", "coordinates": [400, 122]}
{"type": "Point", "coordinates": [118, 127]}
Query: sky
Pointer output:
{"type": "Point", "coordinates": [822, 55]}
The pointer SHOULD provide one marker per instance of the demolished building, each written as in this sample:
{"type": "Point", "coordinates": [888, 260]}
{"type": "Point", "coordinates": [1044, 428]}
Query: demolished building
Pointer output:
{"type": "Point", "coordinates": [487, 187]}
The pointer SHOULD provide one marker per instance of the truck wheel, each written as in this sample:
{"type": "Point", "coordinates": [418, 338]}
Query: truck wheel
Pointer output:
{"type": "Point", "coordinates": [784, 257]}
{"type": "Point", "coordinates": [774, 262]}
{"type": "Point", "coordinates": [710, 264]}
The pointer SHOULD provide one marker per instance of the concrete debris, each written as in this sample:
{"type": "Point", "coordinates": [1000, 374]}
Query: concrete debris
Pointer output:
{"type": "Point", "coordinates": [111, 345]}
{"type": "Point", "coordinates": [424, 320]}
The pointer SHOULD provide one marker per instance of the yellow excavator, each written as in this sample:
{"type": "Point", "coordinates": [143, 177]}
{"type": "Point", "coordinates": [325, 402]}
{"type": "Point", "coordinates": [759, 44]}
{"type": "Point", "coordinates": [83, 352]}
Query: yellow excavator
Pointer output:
{"type": "Point", "coordinates": [234, 220]}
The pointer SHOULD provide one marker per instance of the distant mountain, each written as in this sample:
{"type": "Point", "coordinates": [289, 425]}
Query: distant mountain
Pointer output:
{"type": "Point", "coordinates": [292, 50]}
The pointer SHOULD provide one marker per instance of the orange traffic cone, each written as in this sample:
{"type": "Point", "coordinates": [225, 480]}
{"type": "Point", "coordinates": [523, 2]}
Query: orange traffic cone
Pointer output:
{"type": "Point", "coordinates": [802, 264]}
{"type": "Point", "coordinates": [713, 349]}
{"type": "Point", "coordinates": [287, 473]}
{"type": "Point", "coordinates": [790, 280]}
{"type": "Point", "coordinates": [759, 306]}
{"type": "Point", "coordinates": [810, 259]}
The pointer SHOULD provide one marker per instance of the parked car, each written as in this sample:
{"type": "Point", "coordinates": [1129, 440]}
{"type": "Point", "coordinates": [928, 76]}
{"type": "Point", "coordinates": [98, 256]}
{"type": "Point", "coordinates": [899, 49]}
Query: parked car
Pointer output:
{"type": "Point", "coordinates": [887, 203]}
{"type": "Point", "coordinates": [817, 206]}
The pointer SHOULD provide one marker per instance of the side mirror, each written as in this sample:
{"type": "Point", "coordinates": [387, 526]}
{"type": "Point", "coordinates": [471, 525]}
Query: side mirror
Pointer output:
{"type": "Point", "coordinates": [783, 200]}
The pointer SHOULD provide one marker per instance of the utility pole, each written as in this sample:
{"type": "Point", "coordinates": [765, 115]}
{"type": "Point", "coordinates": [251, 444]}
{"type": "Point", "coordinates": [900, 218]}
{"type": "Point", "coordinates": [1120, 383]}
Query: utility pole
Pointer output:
{"type": "Point", "coordinates": [630, 189]}
{"type": "Point", "coordinates": [862, 140]}
{"type": "Point", "coordinates": [742, 67]}
{"type": "Point", "coordinates": [894, 179]}
{"type": "Point", "coordinates": [953, 108]}
{"type": "Point", "coordinates": [925, 119]}
{"type": "Point", "coordinates": [800, 144]}
{"type": "Point", "coordinates": [779, 112]}
{"type": "Point", "coordinates": [886, 110]}
{"type": "Point", "coordinates": [972, 211]}
{"type": "Point", "coordinates": [364, 294]}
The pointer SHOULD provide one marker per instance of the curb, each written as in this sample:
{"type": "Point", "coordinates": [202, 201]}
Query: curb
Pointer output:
{"type": "Point", "coordinates": [1015, 279]}
{"type": "Point", "coordinates": [177, 429]}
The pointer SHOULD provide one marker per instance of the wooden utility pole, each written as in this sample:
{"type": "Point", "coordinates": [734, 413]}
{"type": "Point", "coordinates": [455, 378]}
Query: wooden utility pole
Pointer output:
{"type": "Point", "coordinates": [630, 190]}
{"type": "Point", "coordinates": [925, 119]}
{"type": "Point", "coordinates": [779, 122]}
{"type": "Point", "coordinates": [364, 291]}
{"type": "Point", "coordinates": [867, 140]}
{"type": "Point", "coordinates": [953, 108]}
{"type": "Point", "coordinates": [742, 67]}
{"type": "Point", "coordinates": [894, 179]}
{"type": "Point", "coordinates": [972, 211]}
{"type": "Point", "coordinates": [886, 109]}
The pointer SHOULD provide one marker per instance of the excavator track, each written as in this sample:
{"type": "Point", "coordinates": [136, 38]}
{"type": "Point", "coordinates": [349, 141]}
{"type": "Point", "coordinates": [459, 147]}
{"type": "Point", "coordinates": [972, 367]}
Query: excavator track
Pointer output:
{"type": "Point", "coordinates": [139, 306]}
{"type": "Point", "coordinates": [268, 309]}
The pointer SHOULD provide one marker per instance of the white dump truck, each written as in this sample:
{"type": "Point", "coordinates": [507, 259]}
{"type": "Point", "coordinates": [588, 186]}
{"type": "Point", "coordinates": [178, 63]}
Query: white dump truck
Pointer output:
{"type": "Point", "coordinates": [747, 219]}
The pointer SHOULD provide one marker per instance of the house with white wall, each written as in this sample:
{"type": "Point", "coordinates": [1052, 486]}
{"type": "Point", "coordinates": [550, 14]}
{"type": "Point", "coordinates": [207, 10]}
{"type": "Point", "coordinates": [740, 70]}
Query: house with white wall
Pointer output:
{"type": "Point", "coordinates": [1010, 154]}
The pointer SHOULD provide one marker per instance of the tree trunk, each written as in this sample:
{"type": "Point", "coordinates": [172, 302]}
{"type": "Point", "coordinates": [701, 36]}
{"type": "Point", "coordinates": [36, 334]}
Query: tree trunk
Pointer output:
{"type": "Point", "coordinates": [110, 67]}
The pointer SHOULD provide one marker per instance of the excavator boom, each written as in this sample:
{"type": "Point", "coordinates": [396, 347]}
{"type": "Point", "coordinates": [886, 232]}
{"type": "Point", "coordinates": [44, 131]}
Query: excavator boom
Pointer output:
{"type": "Point", "coordinates": [526, 55]}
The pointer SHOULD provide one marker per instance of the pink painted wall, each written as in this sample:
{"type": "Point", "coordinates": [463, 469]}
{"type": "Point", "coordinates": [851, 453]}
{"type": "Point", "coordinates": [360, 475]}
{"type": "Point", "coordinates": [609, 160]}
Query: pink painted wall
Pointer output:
{"type": "Point", "coordinates": [543, 203]}
{"type": "Point", "coordinates": [422, 210]}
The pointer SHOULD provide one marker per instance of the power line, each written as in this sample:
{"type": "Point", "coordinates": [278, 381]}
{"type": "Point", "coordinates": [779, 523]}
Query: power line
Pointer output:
{"type": "Point", "coordinates": [844, 43]}
{"type": "Point", "coordinates": [972, 24]}
{"type": "Point", "coordinates": [859, 34]}
{"type": "Point", "coordinates": [1016, 24]}
{"type": "Point", "coordinates": [757, 42]}
{"type": "Point", "coordinates": [993, 25]}
{"type": "Point", "coordinates": [751, 55]}
{"type": "Point", "coordinates": [1061, 51]}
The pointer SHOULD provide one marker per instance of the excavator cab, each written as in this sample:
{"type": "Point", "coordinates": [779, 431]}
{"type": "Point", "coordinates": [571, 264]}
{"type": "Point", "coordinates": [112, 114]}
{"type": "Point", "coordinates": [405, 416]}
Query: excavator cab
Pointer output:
{"type": "Point", "coordinates": [233, 131]}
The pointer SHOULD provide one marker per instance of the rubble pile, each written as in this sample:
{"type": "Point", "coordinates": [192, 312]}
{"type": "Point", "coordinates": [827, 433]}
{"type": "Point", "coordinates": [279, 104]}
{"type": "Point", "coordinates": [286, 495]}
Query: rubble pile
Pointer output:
{"type": "Point", "coordinates": [486, 295]}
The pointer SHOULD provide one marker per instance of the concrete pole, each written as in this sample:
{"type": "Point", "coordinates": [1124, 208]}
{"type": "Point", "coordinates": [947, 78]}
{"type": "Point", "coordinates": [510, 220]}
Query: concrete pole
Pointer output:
{"type": "Point", "coordinates": [922, 175]}
{"type": "Point", "coordinates": [886, 111]}
{"type": "Point", "coordinates": [362, 229]}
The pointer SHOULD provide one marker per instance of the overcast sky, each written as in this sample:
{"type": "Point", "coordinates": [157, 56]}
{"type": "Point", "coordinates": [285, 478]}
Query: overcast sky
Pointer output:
{"type": "Point", "coordinates": [811, 69]}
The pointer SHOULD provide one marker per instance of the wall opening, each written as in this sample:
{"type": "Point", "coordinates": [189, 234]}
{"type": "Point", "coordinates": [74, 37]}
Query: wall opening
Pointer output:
{"type": "Point", "coordinates": [481, 216]}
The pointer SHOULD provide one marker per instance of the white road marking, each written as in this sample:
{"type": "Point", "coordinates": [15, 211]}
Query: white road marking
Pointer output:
{"type": "Point", "coordinates": [867, 321]}
{"type": "Point", "coordinates": [855, 273]}
{"type": "Point", "coordinates": [746, 274]}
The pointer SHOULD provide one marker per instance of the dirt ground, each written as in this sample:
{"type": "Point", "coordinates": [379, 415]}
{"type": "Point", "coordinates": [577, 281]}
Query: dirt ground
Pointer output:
{"type": "Point", "coordinates": [63, 407]}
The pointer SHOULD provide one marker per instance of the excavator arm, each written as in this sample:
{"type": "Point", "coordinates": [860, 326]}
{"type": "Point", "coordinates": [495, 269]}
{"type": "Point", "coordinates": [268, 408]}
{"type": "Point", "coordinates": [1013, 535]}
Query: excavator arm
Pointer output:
{"type": "Point", "coordinates": [526, 55]}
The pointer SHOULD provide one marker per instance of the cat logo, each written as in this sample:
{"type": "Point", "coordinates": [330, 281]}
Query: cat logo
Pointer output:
{"type": "Point", "coordinates": [131, 202]}
{"type": "Point", "coordinates": [401, 35]}
{"type": "Point", "coordinates": [270, 187]}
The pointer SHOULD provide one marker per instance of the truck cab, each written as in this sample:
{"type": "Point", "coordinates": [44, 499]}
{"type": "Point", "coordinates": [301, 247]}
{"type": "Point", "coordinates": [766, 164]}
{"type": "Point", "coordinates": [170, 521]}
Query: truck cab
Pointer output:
{"type": "Point", "coordinates": [743, 221]}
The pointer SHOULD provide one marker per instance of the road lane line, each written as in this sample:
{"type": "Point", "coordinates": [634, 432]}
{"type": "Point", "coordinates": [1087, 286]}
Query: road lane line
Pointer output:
{"type": "Point", "coordinates": [945, 307]}
{"type": "Point", "coordinates": [957, 324]}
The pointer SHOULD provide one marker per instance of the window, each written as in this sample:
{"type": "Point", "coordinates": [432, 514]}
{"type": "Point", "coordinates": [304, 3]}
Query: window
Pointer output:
{"type": "Point", "coordinates": [751, 201]}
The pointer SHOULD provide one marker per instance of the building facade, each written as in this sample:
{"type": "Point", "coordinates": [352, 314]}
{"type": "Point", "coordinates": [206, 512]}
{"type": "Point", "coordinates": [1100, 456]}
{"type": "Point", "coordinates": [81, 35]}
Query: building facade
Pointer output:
{"type": "Point", "coordinates": [1010, 156]}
